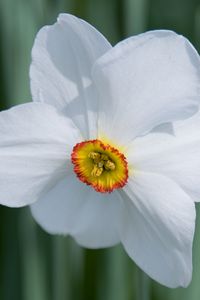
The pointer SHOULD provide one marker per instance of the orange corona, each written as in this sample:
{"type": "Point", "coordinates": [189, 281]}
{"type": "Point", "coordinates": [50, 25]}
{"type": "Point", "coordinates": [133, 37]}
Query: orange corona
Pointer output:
{"type": "Point", "coordinates": [100, 165]}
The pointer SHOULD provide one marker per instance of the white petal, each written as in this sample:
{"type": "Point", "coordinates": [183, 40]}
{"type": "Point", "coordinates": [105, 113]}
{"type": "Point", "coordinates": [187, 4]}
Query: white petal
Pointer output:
{"type": "Point", "coordinates": [158, 227]}
{"type": "Point", "coordinates": [63, 55]}
{"type": "Point", "coordinates": [176, 156]}
{"type": "Point", "coordinates": [74, 208]}
{"type": "Point", "coordinates": [35, 147]}
{"type": "Point", "coordinates": [145, 81]}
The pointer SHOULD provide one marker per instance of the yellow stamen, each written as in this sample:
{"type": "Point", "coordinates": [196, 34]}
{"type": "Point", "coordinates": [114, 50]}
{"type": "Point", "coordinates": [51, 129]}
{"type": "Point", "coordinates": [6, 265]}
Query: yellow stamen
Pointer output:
{"type": "Point", "coordinates": [101, 163]}
{"type": "Point", "coordinates": [109, 165]}
{"type": "Point", "coordinates": [97, 171]}
{"type": "Point", "coordinates": [95, 156]}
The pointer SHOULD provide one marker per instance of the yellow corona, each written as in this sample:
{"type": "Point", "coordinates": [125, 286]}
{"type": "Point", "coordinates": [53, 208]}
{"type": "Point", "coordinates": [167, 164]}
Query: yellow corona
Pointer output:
{"type": "Point", "coordinates": [100, 165]}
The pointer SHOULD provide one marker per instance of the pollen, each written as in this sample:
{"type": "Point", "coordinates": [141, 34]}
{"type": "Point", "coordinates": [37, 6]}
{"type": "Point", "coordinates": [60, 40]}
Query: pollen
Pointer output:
{"type": "Point", "coordinates": [100, 165]}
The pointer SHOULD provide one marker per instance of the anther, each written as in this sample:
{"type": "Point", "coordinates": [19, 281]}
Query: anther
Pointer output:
{"type": "Point", "coordinates": [97, 171]}
{"type": "Point", "coordinates": [95, 156]}
{"type": "Point", "coordinates": [109, 165]}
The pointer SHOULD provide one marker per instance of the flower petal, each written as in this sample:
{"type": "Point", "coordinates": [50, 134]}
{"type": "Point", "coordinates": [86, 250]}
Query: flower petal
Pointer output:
{"type": "Point", "coordinates": [176, 156]}
{"type": "Point", "coordinates": [146, 81]}
{"type": "Point", "coordinates": [62, 58]}
{"type": "Point", "coordinates": [74, 208]}
{"type": "Point", "coordinates": [158, 227]}
{"type": "Point", "coordinates": [35, 146]}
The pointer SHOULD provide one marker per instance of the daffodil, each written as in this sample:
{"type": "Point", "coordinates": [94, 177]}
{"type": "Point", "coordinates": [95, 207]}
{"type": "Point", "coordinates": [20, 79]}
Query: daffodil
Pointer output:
{"type": "Point", "coordinates": [104, 152]}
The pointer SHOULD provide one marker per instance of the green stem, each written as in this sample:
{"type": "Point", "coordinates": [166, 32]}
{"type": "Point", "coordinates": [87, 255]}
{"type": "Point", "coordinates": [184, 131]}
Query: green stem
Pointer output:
{"type": "Point", "coordinates": [143, 292]}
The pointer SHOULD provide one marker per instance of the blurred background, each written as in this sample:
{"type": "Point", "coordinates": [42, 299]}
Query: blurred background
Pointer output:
{"type": "Point", "coordinates": [33, 264]}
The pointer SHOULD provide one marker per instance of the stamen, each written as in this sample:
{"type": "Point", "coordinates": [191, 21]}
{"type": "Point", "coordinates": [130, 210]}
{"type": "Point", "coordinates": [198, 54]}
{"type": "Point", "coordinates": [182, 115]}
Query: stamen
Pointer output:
{"type": "Point", "coordinates": [100, 165]}
{"type": "Point", "coordinates": [95, 156]}
{"type": "Point", "coordinates": [97, 171]}
{"type": "Point", "coordinates": [109, 165]}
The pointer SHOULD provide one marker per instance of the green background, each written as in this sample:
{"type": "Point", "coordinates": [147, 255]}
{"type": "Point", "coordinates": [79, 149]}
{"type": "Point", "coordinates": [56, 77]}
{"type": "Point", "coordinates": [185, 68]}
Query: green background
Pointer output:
{"type": "Point", "coordinates": [33, 264]}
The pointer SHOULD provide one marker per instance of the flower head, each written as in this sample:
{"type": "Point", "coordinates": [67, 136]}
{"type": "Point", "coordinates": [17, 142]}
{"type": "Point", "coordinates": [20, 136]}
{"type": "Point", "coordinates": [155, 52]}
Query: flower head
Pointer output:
{"type": "Point", "coordinates": [105, 153]}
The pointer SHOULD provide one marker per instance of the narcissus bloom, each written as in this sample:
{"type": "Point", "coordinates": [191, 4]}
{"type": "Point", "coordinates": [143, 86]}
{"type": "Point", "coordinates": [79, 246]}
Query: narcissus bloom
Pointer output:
{"type": "Point", "coordinates": [104, 152]}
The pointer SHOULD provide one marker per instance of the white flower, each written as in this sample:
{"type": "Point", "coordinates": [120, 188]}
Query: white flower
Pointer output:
{"type": "Point", "coordinates": [101, 152]}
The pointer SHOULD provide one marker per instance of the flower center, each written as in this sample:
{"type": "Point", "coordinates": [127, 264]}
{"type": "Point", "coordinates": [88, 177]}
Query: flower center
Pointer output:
{"type": "Point", "coordinates": [100, 165]}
